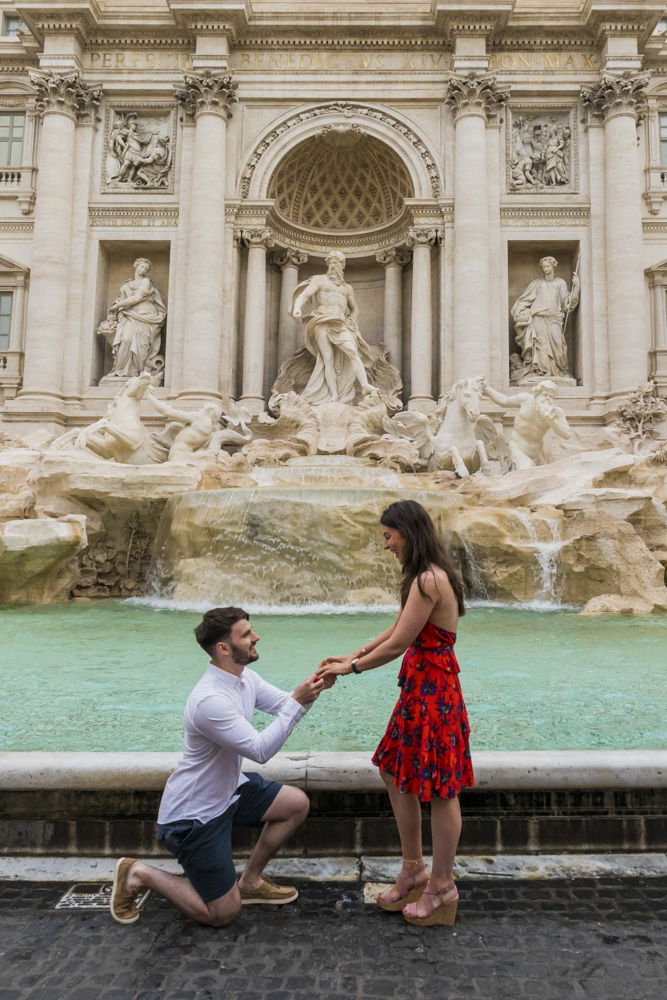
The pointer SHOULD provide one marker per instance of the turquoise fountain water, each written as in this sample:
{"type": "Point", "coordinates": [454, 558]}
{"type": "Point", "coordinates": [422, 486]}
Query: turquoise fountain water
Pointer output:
{"type": "Point", "coordinates": [114, 676]}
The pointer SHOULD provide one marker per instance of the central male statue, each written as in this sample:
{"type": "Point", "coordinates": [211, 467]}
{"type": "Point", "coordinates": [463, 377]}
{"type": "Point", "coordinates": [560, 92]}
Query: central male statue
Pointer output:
{"type": "Point", "coordinates": [326, 304]}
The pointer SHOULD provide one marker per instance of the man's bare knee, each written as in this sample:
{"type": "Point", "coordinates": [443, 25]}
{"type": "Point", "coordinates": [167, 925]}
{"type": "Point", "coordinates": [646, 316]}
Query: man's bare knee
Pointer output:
{"type": "Point", "coordinates": [222, 911]}
{"type": "Point", "coordinates": [289, 802]}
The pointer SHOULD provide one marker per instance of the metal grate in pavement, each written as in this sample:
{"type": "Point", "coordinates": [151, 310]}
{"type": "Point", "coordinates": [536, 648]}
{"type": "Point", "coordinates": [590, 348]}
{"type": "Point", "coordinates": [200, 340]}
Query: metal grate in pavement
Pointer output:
{"type": "Point", "coordinates": [91, 896]}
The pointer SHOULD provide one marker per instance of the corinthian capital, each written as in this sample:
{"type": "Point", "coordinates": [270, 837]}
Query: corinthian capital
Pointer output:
{"type": "Point", "coordinates": [207, 92]}
{"type": "Point", "coordinates": [617, 95]}
{"type": "Point", "coordinates": [395, 255]}
{"type": "Point", "coordinates": [423, 236]}
{"type": "Point", "coordinates": [289, 257]}
{"type": "Point", "coordinates": [257, 238]}
{"type": "Point", "coordinates": [475, 95]}
{"type": "Point", "coordinates": [63, 93]}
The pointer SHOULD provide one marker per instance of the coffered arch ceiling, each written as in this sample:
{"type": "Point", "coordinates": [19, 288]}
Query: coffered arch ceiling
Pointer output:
{"type": "Point", "coordinates": [342, 180]}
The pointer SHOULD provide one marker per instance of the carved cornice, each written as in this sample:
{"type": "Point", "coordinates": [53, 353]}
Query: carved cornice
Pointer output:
{"type": "Point", "coordinates": [289, 257]}
{"type": "Point", "coordinates": [119, 216]}
{"type": "Point", "coordinates": [207, 93]}
{"type": "Point", "coordinates": [12, 226]}
{"type": "Point", "coordinates": [475, 94]}
{"type": "Point", "coordinates": [547, 215]}
{"type": "Point", "coordinates": [396, 255]}
{"type": "Point", "coordinates": [350, 111]}
{"type": "Point", "coordinates": [64, 93]}
{"type": "Point", "coordinates": [262, 238]}
{"type": "Point", "coordinates": [617, 95]}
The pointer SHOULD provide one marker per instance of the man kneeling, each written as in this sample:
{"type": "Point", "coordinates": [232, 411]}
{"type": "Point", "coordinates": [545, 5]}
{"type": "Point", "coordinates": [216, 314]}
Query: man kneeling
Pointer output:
{"type": "Point", "coordinates": [207, 795]}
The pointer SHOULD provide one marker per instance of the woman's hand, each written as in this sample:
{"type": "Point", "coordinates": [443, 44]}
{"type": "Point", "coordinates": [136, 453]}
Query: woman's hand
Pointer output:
{"type": "Point", "coordinates": [334, 666]}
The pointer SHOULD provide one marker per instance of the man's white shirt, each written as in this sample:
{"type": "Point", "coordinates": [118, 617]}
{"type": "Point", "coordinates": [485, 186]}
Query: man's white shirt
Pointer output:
{"type": "Point", "coordinates": [218, 735]}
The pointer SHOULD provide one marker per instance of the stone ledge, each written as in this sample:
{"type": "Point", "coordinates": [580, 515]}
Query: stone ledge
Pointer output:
{"type": "Point", "coordinates": [340, 771]}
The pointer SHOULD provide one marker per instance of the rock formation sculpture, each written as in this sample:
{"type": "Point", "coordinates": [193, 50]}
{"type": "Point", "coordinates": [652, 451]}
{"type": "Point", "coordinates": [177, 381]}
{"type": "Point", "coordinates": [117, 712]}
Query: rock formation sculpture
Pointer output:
{"type": "Point", "coordinates": [292, 433]}
{"type": "Point", "coordinates": [133, 327]}
{"type": "Point", "coordinates": [640, 415]}
{"type": "Point", "coordinates": [539, 315]}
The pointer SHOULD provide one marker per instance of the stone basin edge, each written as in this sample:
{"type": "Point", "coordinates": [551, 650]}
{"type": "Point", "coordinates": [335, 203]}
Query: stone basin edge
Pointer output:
{"type": "Point", "coordinates": [349, 771]}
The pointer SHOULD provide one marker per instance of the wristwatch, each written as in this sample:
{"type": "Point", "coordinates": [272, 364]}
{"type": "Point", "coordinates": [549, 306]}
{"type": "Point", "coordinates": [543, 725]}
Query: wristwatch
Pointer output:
{"type": "Point", "coordinates": [354, 667]}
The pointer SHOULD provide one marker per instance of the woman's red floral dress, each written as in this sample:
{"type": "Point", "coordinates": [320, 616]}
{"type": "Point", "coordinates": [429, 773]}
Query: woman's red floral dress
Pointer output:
{"type": "Point", "coordinates": [426, 745]}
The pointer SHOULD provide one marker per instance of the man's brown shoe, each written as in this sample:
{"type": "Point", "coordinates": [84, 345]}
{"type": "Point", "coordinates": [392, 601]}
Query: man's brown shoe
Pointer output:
{"type": "Point", "coordinates": [269, 894]}
{"type": "Point", "coordinates": [124, 905]}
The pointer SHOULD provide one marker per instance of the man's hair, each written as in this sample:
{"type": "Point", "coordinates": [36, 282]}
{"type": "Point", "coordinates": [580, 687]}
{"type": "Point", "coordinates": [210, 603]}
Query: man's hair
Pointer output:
{"type": "Point", "coordinates": [216, 626]}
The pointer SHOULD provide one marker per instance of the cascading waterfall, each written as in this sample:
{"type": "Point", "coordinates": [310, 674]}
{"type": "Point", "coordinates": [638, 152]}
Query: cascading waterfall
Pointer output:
{"type": "Point", "coordinates": [547, 564]}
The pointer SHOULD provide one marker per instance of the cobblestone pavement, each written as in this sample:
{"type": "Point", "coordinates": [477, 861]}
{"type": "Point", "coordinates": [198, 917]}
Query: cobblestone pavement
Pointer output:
{"type": "Point", "coordinates": [602, 939]}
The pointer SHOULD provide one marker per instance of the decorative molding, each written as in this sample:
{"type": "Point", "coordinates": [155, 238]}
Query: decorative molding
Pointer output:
{"type": "Point", "coordinates": [64, 94]}
{"type": "Point", "coordinates": [617, 95]}
{"type": "Point", "coordinates": [422, 236]}
{"type": "Point", "coordinates": [156, 140]}
{"type": "Point", "coordinates": [13, 226]}
{"type": "Point", "coordinates": [655, 226]}
{"type": "Point", "coordinates": [547, 215]}
{"type": "Point", "coordinates": [529, 178]}
{"type": "Point", "coordinates": [260, 237]}
{"type": "Point", "coordinates": [475, 94]}
{"type": "Point", "coordinates": [360, 243]}
{"type": "Point", "coordinates": [121, 216]}
{"type": "Point", "coordinates": [207, 93]}
{"type": "Point", "coordinates": [349, 111]}
{"type": "Point", "coordinates": [396, 255]}
{"type": "Point", "coordinates": [289, 257]}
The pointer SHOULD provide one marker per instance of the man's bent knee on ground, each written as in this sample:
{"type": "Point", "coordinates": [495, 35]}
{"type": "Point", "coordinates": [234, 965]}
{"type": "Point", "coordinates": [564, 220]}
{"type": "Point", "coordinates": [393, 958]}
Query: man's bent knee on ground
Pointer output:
{"type": "Point", "coordinates": [207, 796]}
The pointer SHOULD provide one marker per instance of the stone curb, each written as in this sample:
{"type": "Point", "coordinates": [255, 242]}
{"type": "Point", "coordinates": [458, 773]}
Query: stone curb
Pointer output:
{"type": "Point", "coordinates": [340, 771]}
{"type": "Point", "coordinates": [364, 868]}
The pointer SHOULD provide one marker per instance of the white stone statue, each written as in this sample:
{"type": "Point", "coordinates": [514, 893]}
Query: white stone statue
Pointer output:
{"type": "Point", "coordinates": [336, 367]}
{"type": "Point", "coordinates": [327, 306]}
{"type": "Point", "coordinates": [133, 327]}
{"type": "Point", "coordinates": [538, 414]}
{"type": "Point", "coordinates": [119, 436]}
{"type": "Point", "coordinates": [457, 436]}
{"type": "Point", "coordinates": [193, 431]}
{"type": "Point", "coordinates": [539, 316]}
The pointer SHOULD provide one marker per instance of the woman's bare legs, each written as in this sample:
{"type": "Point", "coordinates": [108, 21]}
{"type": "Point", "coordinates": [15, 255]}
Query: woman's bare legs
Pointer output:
{"type": "Point", "coordinates": [445, 830]}
{"type": "Point", "coordinates": [408, 815]}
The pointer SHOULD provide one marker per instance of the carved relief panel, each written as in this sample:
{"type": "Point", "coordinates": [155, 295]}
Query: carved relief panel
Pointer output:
{"type": "Point", "coordinates": [139, 148]}
{"type": "Point", "coordinates": [542, 150]}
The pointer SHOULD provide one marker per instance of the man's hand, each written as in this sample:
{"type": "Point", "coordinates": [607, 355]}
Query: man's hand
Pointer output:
{"type": "Point", "coordinates": [308, 691]}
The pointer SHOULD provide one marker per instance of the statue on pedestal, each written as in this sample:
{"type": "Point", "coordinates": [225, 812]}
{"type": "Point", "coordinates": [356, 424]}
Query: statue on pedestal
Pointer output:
{"type": "Point", "coordinates": [540, 314]}
{"type": "Point", "coordinates": [538, 414]}
{"type": "Point", "coordinates": [133, 327]}
{"type": "Point", "coordinates": [336, 366]}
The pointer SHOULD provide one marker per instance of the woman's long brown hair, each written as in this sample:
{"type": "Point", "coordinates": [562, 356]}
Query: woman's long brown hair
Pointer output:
{"type": "Point", "coordinates": [423, 548]}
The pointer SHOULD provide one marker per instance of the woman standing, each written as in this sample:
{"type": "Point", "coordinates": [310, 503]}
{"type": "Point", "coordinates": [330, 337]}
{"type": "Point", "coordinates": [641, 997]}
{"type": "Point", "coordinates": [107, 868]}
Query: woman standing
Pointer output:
{"type": "Point", "coordinates": [424, 755]}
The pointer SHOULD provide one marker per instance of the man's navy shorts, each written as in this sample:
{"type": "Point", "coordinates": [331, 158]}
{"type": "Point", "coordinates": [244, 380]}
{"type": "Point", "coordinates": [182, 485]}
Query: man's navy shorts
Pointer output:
{"type": "Point", "coordinates": [204, 850]}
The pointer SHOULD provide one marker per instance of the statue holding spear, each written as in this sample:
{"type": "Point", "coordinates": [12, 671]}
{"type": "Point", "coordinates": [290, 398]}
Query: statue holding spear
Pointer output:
{"type": "Point", "coordinates": [540, 316]}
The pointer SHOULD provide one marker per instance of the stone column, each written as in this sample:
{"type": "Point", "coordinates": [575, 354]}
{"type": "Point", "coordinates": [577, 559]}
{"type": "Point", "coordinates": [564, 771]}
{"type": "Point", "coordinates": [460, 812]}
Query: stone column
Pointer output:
{"type": "Point", "coordinates": [621, 102]}
{"type": "Point", "coordinates": [288, 261]}
{"type": "Point", "coordinates": [61, 98]}
{"type": "Point", "coordinates": [420, 241]}
{"type": "Point", "coordinates": [472, 99]}
{"type": "Point", "coordinates": [393, 262]}
{"type": "Point", "coordinates": [258, 242]}
{"type": "Point", "coordinates": [206, 97]}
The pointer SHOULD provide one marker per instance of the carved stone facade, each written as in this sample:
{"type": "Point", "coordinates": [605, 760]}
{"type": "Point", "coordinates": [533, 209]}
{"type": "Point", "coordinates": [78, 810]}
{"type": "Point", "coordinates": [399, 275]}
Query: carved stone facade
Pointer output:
{"type": "Point", "coordinates": [444, 155]}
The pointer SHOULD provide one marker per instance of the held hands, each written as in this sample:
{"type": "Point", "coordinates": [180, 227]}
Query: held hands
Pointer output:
{"type": "Point", "coordinates": [309, 690]}
{"type": "Point", "coordinates": [332, 667]}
